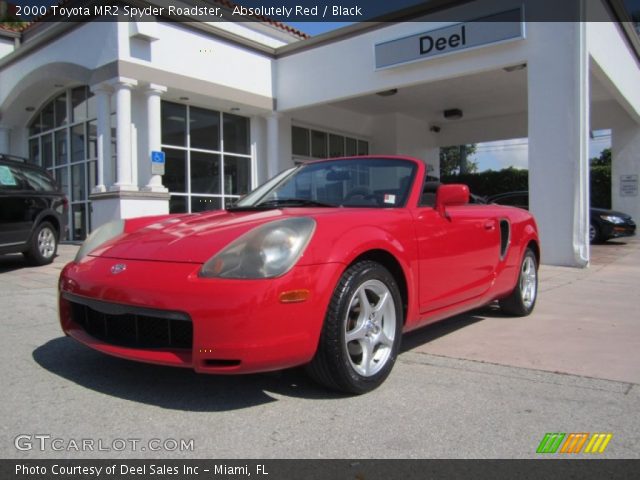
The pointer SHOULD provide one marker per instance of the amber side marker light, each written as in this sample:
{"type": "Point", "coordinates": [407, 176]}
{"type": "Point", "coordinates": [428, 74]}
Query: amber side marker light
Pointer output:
{"type": "Point", "coordinates": [294, 296]}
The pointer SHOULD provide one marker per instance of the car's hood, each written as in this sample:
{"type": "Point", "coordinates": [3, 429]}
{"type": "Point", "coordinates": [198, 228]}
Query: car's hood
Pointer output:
{"type": "Point", "coordinates": [604, 211]}
{"type": "Point", "coordinates": [187, 238]}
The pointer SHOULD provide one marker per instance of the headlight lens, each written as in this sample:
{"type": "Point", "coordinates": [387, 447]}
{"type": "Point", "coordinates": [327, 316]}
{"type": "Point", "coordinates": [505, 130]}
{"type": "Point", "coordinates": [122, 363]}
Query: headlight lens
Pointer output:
{"type": "Point", "coordinates": [268, 251]}
{"type": "Point", "coordinates": [612, 219]}
{"type": "Point", "coordinates": [99, 236]}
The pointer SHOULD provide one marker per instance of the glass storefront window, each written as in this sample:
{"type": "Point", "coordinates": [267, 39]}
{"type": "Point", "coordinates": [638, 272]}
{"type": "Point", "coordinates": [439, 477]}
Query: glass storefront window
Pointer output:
{"type": "Point", "coordinates": [310, 144]}
{"type": "Point", "coordinates": [318, 144]}
{"type": "Point", "coordinates": [205, 173]}
{"type": "Point", "coordinates": [204, 129]}
{"type": "Point", "coordinates": [34, 151]}
{"type": "Point", "coordinates": [202, 204]}
{"type": "Point", "coordinates": [46, 122]}
{"type": "Point", "coordinates": [77, 143]}
{"type": "Point", "coordinates": [78, 219]}
{"type": "Point", "coordinates": [175, 170]}
{"type": "Point", "coordinates": [174, 124]}
{"type": "Point", "coordinates": [61, 147]}
{"type": "Point", "coordinates": [336, 146]}
{"type": "Point", "coordinates": [47, 150]}
{"type": "Point", "coordinates": [300, 141]}
{"type": "Point", "coordinates": [79, 103]}
{"type": "Point", "coordinates": [237, 175]}
{"type": "Point", "coordinates": [78, 190]}
{"type": "Point", "coordinates": [208, 161]}
{"type": "Point", "coordinates": [177, 204]}
{"type": "Point", "coordinates": [61, 110]}
{"type": "Point", "coordinates": [63, 139]}
{"type": "Point", "coordinates": [236, 133]}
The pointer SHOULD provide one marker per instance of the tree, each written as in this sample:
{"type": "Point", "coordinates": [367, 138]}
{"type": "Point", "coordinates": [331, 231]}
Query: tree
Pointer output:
{"type": "Point", "coordinates": [604, 160]}
{"type": "Point", "coordinates": [450, 160]}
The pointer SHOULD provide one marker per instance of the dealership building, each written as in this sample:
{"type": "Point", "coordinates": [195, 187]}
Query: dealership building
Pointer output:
{"type": "Point", "coordinates": [232, 103]}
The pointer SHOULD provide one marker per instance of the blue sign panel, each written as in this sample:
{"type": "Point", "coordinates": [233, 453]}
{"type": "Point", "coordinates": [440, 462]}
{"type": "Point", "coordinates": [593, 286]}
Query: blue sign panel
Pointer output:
{"type": "Point", "coordinates": [157, 163]}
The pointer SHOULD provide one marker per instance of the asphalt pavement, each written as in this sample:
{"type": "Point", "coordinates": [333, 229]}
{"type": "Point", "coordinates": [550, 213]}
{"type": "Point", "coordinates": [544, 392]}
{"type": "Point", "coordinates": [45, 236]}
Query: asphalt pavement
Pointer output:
{"type": "Point", "coordinates": [479, 385]}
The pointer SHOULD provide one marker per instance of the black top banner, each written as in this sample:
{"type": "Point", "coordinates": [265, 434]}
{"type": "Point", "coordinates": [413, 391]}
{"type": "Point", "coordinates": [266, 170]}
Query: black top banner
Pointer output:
{"type": "Point", "coordinates": [317, 469]}
{"type": "Point", "coordinates": [314, 10]}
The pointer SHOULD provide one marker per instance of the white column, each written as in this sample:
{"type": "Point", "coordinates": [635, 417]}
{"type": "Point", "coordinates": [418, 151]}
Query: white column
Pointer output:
{"type": "Point", "coordinates": [123, 88]}
{"type": "Point", "coordinates": [558, 89]}
{"type": "Point", "coordinates": [154, 133]}
{"type": "Point", "coordinates": [103, 101]}
{"type": "Point", "coordinates": [625, 167]}
{"type": "Point", "coordinates": [5, 139]}
{"type": "Point", "coordinates": [273, 144]}
{"type": "Point", "coordinates": [259, 150]}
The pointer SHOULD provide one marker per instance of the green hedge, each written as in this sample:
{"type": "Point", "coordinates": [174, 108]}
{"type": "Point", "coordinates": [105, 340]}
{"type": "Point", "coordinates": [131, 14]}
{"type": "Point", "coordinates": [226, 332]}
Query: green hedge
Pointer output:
{"type": "Point", "coordinates": [493, 182]}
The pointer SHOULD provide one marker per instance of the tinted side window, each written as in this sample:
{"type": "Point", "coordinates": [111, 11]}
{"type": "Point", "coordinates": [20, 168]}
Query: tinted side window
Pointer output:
{"type": "Point", "coordinates": [39, 181]}
{"type": "Point", "coordinates": [10, 178]}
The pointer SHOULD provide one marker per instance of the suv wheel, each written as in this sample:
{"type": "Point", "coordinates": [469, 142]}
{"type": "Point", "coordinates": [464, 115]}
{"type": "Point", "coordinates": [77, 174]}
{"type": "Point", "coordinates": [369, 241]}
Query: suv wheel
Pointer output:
{"type": "Point", "coordinates": [44, 244]}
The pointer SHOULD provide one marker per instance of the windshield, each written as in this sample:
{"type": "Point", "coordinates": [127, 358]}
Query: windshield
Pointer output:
{"type": "Point", "coordinates": [365, 182]}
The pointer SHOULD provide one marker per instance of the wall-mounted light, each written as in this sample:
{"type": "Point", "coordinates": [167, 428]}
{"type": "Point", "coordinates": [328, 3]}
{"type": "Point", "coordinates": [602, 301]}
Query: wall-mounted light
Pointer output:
{"type": "Point", "coordinates": [515, 68]}
{"type": "Point", "coordinates": [234, 109]}
{"type": "Point", "coordinates": [387, 93]}
{"type": "Point", "coordinates": [184, 99]}
{"type": "Point", "coordinates": [30, 109]}
{"type": "Point", "coordinates": [453, 114]}
{"type": "Point", "coordinates": [435, 129]}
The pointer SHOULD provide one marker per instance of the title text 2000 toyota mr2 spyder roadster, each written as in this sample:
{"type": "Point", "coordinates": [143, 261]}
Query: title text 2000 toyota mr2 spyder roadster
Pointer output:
{"type": "Point", "coordinates": [325, 264]}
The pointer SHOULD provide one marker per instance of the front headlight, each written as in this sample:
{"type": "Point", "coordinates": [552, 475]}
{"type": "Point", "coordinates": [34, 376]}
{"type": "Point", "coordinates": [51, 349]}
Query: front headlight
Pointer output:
{"type": "Point", "coordinates": [612, 219]}
{"type": "Point", "coordinates": [268, 251]}
{"type": "Point", "coordinates": [99, 236]}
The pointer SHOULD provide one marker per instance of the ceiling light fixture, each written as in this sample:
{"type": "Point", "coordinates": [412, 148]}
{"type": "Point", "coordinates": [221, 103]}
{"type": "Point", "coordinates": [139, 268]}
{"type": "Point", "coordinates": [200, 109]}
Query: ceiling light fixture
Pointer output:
{"type": "Point", "coordinates": [453, 114]}
{"type": "Point", "coordinates": [235, 109]}
{"type": "Point", "coordinates": [184, 99]}
{"type": "Point", "coordinates": [387, 93]}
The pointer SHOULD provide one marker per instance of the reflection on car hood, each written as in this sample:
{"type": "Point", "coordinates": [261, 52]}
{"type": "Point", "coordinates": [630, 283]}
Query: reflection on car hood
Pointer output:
{"type": "Point", "coordinates": [186, 238]}
{"type": "Point", "coordinates": [604, 211]}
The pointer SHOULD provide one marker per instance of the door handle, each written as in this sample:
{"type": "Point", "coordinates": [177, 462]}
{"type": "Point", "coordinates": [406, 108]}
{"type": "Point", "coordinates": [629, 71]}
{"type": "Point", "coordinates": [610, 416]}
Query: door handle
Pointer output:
{"type": "Point", "coordinates": [490, 225]}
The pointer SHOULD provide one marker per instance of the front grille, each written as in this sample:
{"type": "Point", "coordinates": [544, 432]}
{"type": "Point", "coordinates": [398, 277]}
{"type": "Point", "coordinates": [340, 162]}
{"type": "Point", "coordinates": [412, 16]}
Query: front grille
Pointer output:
{"type": "Point", "coordinates": [130, 327]}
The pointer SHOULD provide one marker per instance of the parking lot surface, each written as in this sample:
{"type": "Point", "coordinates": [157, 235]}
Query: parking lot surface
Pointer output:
{"type": "Point", "coordinates": [478, 385]}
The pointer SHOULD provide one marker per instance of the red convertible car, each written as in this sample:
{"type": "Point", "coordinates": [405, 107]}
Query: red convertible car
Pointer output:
{"type": "Point", "coordinates": [325, 265]}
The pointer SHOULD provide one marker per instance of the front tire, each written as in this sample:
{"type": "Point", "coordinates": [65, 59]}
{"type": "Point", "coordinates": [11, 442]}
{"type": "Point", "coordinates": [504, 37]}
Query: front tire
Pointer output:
{"type": "Point", "coordinates": [362, 330]}
{"type": "Point", "coordinates": [595, 236]}
{"type": "Point", "coordinates": [44, 245]}
{"type": "Point", "coordinates": [523, 298]}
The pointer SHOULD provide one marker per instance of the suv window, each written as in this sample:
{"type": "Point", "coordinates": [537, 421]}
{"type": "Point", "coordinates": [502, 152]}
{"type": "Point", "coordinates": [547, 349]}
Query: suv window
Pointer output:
{"type": "Point", "coordinates": [10, 178]}
{"type": "Point", "coordinates": [39, 181]}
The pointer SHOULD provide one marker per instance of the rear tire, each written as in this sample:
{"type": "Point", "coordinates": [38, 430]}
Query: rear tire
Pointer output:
{"type": "Point", "coordinates": [522, 300]}
{"type": "Point", "coordinates": [43, 245]}
{"type": "Point", "coordinates": [362, 330]}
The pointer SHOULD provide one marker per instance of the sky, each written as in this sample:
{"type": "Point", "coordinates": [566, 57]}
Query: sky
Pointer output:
{"type": "Point", "coordinates": [316, 28]}
{"type": "Point", "coordinates": [514, 152]}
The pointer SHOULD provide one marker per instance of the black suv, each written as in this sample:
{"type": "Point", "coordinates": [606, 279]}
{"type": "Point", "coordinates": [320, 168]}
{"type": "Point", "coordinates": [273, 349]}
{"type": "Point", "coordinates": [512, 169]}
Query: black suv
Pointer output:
{"type": "Point", "coordinates": [32, 210]}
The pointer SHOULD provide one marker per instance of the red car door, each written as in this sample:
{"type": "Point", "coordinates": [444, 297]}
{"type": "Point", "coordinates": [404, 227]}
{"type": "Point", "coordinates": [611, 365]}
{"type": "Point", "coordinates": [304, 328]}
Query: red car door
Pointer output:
{"type": "Point", "coordinates": [458, 254]}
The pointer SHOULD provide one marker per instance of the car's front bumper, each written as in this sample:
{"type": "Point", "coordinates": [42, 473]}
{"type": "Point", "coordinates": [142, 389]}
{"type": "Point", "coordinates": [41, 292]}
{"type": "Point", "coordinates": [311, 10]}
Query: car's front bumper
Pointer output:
{"type": "Point", "coordinates": [238, 326]}
{"type": "Point", "coordinates": [615, 230]}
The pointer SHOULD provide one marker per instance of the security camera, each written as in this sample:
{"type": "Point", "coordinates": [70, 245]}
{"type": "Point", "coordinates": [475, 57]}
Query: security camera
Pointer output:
{"type": "Point", "coordinates": [435, 129]}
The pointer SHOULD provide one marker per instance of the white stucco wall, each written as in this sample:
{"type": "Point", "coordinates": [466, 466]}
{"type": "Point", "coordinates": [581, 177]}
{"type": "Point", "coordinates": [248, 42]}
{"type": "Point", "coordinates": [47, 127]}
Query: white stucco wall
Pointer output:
{"type": "Point", "coordinates": [7, 45]}
{"type": "Point", "coordinates": [196, 55]}
{"type": "Point", "coordinates": [90, 46]}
